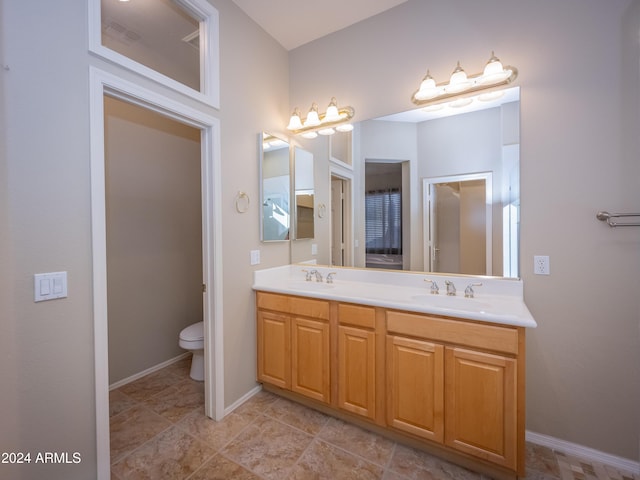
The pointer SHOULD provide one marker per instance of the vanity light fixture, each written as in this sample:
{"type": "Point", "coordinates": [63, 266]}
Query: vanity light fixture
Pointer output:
{"type": "Point", "coordinates": [335, 118]}
{"type": "Point", "coordinates": [493, 75]}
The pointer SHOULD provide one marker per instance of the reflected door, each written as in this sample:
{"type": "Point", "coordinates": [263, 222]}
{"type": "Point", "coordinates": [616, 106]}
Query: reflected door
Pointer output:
{"type": "Point", "coordinates": [337, 221]}
{"type": "Point", "coordinates": [460, 225]}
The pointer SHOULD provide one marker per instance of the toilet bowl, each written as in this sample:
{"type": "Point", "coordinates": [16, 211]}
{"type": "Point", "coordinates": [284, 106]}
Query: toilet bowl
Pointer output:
{"type": "Point", "coordinates": [192, 339]}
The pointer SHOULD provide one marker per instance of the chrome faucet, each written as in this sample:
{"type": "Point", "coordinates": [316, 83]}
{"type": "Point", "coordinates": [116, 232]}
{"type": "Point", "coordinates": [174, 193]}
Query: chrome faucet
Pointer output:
{"type": "Point", "coordinates": [330, 277]}
{"type": "Point", "coordinates": [468, 292]}
{"type": "Point", "coordinates": [451, 288]}
{"type": "Point", "coordinates": [317, 274]}
{"type": "Point", "coordinates": [435, 290]}
{"type": "Point", "coordinates": [307, 275]}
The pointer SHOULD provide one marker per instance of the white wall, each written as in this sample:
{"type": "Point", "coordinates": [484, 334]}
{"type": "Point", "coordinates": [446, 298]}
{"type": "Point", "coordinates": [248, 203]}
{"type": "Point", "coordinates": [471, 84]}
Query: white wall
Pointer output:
{"type": "Point", "coordinates": [47, 356]}
{"type": "Point", "coordinates": [579, 154]}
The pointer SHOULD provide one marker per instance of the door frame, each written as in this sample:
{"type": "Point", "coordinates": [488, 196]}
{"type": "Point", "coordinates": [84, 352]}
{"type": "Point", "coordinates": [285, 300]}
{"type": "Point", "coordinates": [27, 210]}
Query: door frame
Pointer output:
{"type": "Point", "coordinates": [345, 173]}
{"type": "Point", "coordinates": [102, 83]}
{"type": "Point", "coordinates": [428, 221]}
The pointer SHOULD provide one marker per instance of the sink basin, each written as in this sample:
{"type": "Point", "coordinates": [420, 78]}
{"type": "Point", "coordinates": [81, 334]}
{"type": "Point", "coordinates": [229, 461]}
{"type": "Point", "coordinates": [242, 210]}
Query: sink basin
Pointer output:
{"type": "Point", "coordinates": [310, 286]}
{"type": "Point", "coordinates": [454, 303]}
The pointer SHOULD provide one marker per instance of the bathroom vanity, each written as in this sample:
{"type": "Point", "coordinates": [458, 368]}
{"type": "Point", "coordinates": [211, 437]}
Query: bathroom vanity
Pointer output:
{"type": "Point", "coordinates": [382, 349]}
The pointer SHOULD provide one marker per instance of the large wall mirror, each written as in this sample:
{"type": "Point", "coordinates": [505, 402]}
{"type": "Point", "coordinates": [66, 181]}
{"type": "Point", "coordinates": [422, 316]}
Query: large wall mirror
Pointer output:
{"type": "Point", "coordinates": [275, 188]}
{"type": "Point", "coordinates": [465, 158]}
{"type": "Point", "coordinates": [304, 194]}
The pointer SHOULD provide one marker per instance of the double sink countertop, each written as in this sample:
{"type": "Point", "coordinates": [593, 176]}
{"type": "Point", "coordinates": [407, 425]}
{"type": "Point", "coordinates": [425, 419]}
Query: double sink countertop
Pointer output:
{"type": "Point", "coordinates": [498, 300]}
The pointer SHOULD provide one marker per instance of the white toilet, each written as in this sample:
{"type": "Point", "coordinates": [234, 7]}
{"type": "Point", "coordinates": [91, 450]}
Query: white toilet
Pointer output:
{"type": "Point", "coordinates": [192, 338]}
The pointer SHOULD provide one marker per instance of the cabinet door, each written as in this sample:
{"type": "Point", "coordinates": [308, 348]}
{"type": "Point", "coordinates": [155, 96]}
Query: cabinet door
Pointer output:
{"type": "Point", "coordinates": [356, 371]}
{"type": "Point", "coordinates": [415, 383]}
{"type": "Point", "coordinates": [310, 358]}
{"type": "Point", "coordinates": [274, 349]}
{"type": "Point", "coordinates": [481, 411]}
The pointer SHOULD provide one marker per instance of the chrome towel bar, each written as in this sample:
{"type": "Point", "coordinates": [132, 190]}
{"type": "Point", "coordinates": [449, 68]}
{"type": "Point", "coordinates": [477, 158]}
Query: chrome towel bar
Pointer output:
{"type": "Point", "coordinates": [607, 217]}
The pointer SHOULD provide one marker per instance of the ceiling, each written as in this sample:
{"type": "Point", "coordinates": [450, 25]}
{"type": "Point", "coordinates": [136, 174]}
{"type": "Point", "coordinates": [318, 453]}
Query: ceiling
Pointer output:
{"type": "Point", "coordinates": [296, 22]}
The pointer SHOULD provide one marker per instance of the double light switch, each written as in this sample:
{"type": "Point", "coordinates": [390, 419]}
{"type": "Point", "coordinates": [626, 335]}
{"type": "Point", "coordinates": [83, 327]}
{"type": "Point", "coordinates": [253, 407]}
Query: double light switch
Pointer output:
{"type": "Point", "coordinates": [49, 286]}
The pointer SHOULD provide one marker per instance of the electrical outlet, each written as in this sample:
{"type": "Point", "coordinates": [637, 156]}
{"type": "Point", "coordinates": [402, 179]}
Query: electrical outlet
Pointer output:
{"type": "Point", "coordinates": [541, 265]}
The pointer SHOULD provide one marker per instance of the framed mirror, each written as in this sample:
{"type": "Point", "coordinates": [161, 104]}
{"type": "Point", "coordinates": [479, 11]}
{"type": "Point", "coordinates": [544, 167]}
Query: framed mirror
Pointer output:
{"type": "Point", "coordinates": [275, 188]}
{"type": "Point", "coordinates": [304, 194]}
{"type": "Point", "coordinates": [477, 139]}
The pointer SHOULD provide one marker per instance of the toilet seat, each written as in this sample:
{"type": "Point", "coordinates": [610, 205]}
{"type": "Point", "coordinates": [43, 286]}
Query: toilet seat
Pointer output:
{"type": "Point", "coordinates": [192, 337]}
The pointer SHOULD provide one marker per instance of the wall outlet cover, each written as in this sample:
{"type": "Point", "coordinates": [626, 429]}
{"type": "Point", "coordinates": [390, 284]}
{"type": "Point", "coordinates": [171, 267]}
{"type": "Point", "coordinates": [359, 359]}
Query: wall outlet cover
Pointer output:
{"type": "Point", "coordinates": [541, 265]}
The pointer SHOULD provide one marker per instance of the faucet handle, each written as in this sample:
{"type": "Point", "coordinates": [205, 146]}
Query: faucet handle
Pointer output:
{"type": "Point", "coordinates": [468, 292]}
{"type": "Point", "coordinates": [307, 275]}
{"type": "Point", "coordinates": [317, 274]}
{"type": "Point", "coordinates": [330, 276]}
{"type": "Point", "coordinates": [435, 290]}
{"type": "Point", "coordinates": [451, 288]}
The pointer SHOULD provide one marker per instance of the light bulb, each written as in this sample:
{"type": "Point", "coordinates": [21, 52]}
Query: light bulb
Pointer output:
{"type": "Point", "coordinates": [309, 134]}
{"type": "Point", "coordinates": [494, 72]}
{"type": "Point", "coordinates": [294, 121]}
{"type": "Point", "coordinates": [326, 131]}
{"type": "Point", "coordinates": [427, 88]}
{"type": "Point", "coordinates": [347, 127]}
{"type": "Point", "coordinates": [312, 119]}
{"type": "Point", "coordinates": [461, 102]}
{"type": "Point", "coordinates": [332, 114]}
{"type": "Point", "coordinates": [458, 81]}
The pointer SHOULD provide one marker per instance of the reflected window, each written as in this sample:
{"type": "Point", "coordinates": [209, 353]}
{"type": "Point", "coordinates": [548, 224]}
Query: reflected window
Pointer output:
{"type": "Point", "coordinates": [384, 221]}
{"type": "Point", "coordinates": [174, 42]}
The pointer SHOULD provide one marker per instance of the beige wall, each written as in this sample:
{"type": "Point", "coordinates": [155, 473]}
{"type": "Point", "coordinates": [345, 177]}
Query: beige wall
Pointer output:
{"type": "Point", "coordinates": [579, 154]}
{"type": "Point", "coordinates": [154, 236]}
{"type": "Point", "coordinates": [47, 355]}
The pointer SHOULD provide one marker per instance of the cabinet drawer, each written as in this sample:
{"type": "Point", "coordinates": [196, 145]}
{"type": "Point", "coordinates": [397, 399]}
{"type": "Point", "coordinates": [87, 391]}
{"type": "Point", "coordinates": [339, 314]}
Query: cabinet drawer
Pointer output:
{"type": "Point", "coordinates": [491, 337]}
{"type": "Point", "coordinates": [356, 315]}
{"type": "Point", "coordinates": [306, 307]}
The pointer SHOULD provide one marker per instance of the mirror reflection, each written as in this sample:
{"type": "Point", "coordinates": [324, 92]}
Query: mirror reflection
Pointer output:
{"type": "Point", "coordinates": [441, 189]}
{"type": "Point", "coordinates": [274, 188]}
{"type": "Point", "coordinates": [460, 224]}
{"type": "Point", "coordinates": [304, 193]}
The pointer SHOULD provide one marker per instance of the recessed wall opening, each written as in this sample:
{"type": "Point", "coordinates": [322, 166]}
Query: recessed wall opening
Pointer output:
{"type": "Point", "coordinates": [209, 194]}
{"type": "Point", "coordinates": [154, 236]}
{"type": "Point", "coordinates": [383, 215]}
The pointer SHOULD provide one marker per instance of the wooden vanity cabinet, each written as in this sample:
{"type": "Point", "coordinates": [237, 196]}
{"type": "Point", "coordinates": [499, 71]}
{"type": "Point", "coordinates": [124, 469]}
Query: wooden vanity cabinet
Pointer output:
{"type": "Point", "coordinates": [357, 360]}
{"type": "Point", "coordinates": [481, 397]}
{"type": "Point", "coordinates": [294, 344]}
{"type": "Point", "coordinates": [451, 384]}
{"type": "Point", "coordinates": [274, 349]}
{"type": "Point", "coordinates": [478, 364]}
{"type": "Point", "coordinates": [415, 387]}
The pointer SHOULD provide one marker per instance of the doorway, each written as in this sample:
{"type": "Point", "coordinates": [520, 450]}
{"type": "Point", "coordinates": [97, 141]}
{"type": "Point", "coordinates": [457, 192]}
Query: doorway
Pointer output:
{"type": "Point", "coordinates": [458, 224]}
{"type": "Point", "coordinates": [154, 237]}
{"type": "Point", "coordinates": [341, 213]}
{"type": "Point", "coordinates": [101, 84]}
{"type": "Point", "coordinates": [385, 227]}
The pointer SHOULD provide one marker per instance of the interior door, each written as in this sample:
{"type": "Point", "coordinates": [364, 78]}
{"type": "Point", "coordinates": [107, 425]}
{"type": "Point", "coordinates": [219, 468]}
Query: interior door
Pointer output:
{"type": "Point", "coordinates": [459, 224]}
{"type": "Point", "coordinates": [337, 221]}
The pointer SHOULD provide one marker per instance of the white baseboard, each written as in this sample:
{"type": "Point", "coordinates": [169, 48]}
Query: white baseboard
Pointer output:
{"type": "Point", "coordinates": [155, 368]}
{"type": "Point", "coordinates": [587, 453]}
{"type": "Point", "coordinates": [242, 399]}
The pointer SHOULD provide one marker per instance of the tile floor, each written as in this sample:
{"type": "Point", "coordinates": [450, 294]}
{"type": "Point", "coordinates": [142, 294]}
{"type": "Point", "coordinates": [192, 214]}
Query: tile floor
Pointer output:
{"type": "Point", "coordinates": [159, 431]}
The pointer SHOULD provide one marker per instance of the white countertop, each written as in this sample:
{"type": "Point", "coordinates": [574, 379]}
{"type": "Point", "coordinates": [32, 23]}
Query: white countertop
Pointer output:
{"type": "Point", "coordinates": [498, 300]}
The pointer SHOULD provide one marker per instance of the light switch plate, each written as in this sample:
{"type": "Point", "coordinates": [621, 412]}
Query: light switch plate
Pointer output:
{"type": "Point", "coordinates": [255, 257]}
{"type": "Point", "coordinates": [49, 286]}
